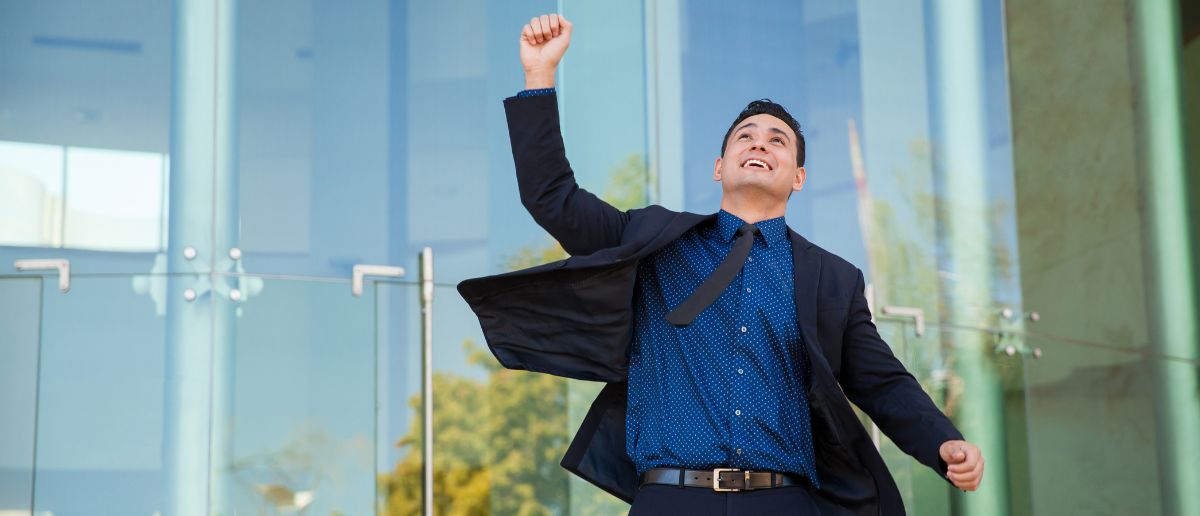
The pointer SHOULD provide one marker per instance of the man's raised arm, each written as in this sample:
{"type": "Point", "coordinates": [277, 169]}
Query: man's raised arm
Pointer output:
{"type": "Point", "coordinates": [580, 221]}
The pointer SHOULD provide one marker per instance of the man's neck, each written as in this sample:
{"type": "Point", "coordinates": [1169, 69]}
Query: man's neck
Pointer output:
{"type": "Point", "coordinates": [753, 213]}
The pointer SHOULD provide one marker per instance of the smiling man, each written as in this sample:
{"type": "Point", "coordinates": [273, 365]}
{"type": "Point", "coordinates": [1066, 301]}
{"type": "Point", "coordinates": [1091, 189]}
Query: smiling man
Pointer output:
{"type": "Point", "coordinates": [731, 346]}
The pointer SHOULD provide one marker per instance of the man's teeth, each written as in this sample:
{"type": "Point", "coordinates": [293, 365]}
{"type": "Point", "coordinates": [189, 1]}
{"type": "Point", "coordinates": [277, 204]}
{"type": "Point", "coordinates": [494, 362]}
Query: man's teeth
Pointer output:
{"type": "Point", "coordinates": [755, 163]}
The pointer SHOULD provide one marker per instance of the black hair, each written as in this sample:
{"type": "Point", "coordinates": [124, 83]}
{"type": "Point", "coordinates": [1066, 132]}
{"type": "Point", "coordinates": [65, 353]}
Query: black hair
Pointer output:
{"type": "Point", "coordinates": [766, 107]}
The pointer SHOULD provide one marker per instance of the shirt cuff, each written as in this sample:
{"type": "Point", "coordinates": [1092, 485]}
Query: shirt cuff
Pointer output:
{"type": "Point", "coordinates": [535, 93]}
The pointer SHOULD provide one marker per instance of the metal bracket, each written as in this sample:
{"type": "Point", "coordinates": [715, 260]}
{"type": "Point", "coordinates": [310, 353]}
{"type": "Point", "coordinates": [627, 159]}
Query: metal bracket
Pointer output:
{"type": "Point", "coordinates": [1006, 346]}
{"type": "Point", "coordinates": [914, 313]}
{"type": "Point", "coordinates": [63, 267]}
{"type": "Point", "coordinates": [360, 270]}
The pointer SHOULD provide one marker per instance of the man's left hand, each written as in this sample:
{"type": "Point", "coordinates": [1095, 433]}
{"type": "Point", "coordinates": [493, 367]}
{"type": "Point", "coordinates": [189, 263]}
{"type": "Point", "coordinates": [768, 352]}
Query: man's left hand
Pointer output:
{"type": "Point", "coordinates": [965, 464]}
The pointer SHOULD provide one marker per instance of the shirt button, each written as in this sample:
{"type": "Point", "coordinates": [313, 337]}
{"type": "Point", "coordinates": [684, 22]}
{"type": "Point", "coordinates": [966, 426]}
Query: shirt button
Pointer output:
{"type": "Point", "coordinates": [747, 289]}
{"type": "Point", "coordinates": [740, 371]}
{"type": "Point", "coordinates": [739, 451]}
{"type": "Point", "coordinates": [737, 412]}
{"type": "Point", "coordinates": [743, 329]}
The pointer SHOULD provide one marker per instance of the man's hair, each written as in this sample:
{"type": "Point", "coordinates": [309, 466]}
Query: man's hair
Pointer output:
{"type": "Point", "coordinates": [766, 107]}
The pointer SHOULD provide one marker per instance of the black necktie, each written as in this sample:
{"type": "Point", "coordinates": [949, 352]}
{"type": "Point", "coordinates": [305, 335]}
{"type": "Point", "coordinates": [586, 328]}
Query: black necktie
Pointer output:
{"type": "Point", "coordinates": [716, 282]}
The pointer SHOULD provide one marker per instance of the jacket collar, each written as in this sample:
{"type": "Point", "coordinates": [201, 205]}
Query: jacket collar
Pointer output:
{"type": "Point", "coordinates": [773, 231]}
{"type": "Point", "coordinates": [680, 223]}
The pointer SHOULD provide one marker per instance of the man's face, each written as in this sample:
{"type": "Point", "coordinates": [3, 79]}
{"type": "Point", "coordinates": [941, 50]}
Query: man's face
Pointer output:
{"type": "Point", "coordinates": [760, 158]}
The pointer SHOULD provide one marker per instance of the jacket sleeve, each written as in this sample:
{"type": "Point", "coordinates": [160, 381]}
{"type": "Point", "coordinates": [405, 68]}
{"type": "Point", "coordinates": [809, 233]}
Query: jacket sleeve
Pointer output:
{"type": "Point", "coordinates": [579, 220]}
{"type": "Point", "coordinates": [875, 381]}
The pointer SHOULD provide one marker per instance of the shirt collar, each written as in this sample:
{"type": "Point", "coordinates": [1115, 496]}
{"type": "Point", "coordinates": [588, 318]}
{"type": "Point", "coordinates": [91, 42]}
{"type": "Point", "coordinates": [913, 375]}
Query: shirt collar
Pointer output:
{"type": "Point", "coordinates": [773, 230]}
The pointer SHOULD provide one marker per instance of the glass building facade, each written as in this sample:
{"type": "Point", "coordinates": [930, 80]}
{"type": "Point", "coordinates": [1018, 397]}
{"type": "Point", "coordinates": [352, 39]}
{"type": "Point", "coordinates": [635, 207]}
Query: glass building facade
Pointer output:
{"type": "Point", "coordinates": [188, 188]}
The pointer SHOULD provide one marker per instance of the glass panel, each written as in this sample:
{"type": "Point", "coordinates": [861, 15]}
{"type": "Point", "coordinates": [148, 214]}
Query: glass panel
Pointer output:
{"type": "Point", "coordinates": [1093, 421]}
{"type": "Point", "coordinates": [602, 108]}
{"type": "Point", "coordinates": [1081, 230]}
{"type": "Point", "coordinates": [85, 132]}
{"type": "Point", "coordinates": [100, 396]}
{"type": "Point", "coordinates": [338, 152]}
{"type": "Point", "coordinates": [300, 400]}
{"type": "Point", "coordinates": [20, 324]}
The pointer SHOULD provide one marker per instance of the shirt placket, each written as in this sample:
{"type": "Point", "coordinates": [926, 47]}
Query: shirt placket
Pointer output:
{"type": "Point", "coordinates": [740, 367]}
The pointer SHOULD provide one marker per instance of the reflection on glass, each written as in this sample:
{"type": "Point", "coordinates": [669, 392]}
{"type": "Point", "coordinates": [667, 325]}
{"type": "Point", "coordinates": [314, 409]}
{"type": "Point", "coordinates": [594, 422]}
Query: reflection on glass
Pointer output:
{"type": "Point", "coordinates": [302, 400]}
{"type": "Point", "coordinates": [498, 441]}
{"type": "Point", "coordinates": [114, 199]}
{"type": "Point", "coordinates": [498, 434]}
{"type": "Point", "coordinates": [31, 194]}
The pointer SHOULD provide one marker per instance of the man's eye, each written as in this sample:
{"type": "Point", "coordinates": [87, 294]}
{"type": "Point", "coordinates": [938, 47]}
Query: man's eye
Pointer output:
{"type": "Point", "coordinates": [743, 136]}
{"type": "Point", "coordinates": [777, 140]}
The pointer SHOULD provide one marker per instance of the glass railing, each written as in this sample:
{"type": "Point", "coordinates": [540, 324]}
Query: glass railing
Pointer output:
{"type": "Point", "coordinates": [316, 405]}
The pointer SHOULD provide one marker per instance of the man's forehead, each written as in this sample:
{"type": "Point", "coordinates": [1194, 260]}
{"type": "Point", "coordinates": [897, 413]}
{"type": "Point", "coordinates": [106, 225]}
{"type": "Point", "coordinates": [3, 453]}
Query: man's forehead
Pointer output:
{"type": "Point", "coordinates": [766, 121]}
{"type": "Point", "coordinates": [765, 118]}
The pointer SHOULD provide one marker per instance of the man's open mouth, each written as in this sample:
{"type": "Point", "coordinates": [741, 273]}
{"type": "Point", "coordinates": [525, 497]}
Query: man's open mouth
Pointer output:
{"type": "Point", "coordinates": [756, 163]}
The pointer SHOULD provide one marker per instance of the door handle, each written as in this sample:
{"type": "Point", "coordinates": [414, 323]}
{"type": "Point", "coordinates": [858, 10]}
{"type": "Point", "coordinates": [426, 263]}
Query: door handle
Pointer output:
{"type": "Point", "coordinates": [426, 277]}
{"type": "Point", "coordinates": [916, 314]}
{"type": "Point", "coordinates": [63, 267]}
{"type": "Point", "coordinates": [362, 269]}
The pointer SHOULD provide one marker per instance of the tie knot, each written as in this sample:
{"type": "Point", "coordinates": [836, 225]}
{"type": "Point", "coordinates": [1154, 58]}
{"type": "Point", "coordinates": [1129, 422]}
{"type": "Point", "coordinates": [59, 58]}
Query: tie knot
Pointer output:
{"type": "Point", "coordinates": [747, 228]}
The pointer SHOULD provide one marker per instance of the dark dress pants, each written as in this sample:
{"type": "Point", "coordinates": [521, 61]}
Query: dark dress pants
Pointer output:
{"type": "Point", "coordinates": [665, 500]}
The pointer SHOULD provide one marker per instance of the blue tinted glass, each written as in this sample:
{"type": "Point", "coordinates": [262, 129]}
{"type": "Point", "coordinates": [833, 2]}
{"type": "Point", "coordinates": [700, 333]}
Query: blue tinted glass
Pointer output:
{"type": "Point", "coordinates": [100, 396]}
{"type": "Point", "coordinates": [20, 318]}
{"type": "Point", "coordinates": [85, 134]}
{"type": "Point", "coordinates": [300, 399]}
{"type": "Point", "coordinates": [366, 133]}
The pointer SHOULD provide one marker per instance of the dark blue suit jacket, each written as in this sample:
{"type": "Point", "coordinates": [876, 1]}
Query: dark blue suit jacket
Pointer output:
{"type": "Point", "coordinates": [573, 318]}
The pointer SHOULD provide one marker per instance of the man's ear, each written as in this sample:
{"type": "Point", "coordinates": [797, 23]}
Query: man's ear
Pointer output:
{"type": "Point", "coordinates": [798, 181]}
{"type": "Point", "coordinates": [717, 170]}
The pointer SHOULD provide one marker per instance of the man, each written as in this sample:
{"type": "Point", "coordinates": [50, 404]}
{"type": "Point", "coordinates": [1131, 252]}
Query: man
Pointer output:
{"type": "Point", "coordinates": [728, 342]}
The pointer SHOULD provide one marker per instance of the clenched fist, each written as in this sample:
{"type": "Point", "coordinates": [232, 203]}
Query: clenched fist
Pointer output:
{"type": "Point", "coordinates": [964, 464]}
{"type": "Point", "coordinates": [544, 40]}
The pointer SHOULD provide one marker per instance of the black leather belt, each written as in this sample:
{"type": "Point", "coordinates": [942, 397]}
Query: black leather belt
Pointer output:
{"type": "Point", "coordinates": [720, 479]}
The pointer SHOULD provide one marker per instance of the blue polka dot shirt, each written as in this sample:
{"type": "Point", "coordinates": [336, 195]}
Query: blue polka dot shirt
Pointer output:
{"type": "Point", "coordinates": [728, 390]}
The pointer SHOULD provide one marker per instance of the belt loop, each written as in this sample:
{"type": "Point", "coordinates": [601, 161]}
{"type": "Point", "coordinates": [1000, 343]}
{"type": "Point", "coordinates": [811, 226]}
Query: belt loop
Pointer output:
{"type": "Point", "coordinates": [773, 479]}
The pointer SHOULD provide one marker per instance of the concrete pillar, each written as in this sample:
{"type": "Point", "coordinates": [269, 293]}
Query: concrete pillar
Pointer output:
{"type": "Point", "coordinates": [961, 166]}
{"type": "Point", "coordinates": [1169, 253]}
{"type": "Point", "coordinates": [202, 218]}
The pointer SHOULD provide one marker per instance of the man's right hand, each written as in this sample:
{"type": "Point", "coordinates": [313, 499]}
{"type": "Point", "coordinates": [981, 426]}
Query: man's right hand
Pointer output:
{"type": "Point", "coordinates": [544, 40]}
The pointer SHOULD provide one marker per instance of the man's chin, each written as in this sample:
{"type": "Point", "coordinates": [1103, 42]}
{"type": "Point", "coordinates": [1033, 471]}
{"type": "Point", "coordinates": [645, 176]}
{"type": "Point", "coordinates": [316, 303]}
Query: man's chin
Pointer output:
{"type": "Point", "coordinates": [756, 190]}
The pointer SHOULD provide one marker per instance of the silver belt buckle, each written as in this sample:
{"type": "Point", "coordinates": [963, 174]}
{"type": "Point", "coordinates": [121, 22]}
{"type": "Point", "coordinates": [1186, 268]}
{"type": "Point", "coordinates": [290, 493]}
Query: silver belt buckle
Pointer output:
{"type": "Point", "coordinates": [717, 480]}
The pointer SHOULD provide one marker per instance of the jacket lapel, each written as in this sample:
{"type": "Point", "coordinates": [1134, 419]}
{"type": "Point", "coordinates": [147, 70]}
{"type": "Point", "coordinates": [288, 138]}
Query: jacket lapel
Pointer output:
{"type": "Point", "coordinates": [806, 264]}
